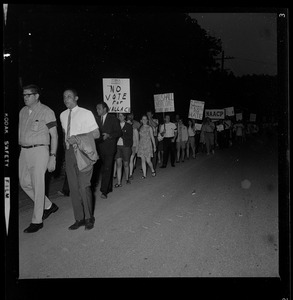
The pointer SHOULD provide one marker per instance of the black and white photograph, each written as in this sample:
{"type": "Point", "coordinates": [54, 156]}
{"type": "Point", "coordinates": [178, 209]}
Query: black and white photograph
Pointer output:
{"type": "Point", "coordinates": [145, 142]}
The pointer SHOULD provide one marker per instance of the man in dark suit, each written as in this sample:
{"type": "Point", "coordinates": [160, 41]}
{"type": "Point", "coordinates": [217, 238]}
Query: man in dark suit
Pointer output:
{"type": "Point", "coordinates": [110, 131]}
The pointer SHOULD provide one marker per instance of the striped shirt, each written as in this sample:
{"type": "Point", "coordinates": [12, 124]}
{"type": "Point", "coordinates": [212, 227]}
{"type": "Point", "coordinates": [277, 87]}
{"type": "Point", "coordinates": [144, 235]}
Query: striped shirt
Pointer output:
{"type": "Point", "coordinates": [34, 125]}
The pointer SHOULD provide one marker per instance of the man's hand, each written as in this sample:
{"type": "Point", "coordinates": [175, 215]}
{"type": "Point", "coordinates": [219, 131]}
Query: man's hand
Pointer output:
{"type": "Point", "coordinates": [51, 164]}
{"type": "Point", "coordinates": [106, 136]}
{"type": "Point", "coordinates": [72, 140]}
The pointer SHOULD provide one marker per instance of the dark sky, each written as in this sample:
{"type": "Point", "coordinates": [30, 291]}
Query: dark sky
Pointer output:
{"type": "Point", "coordinates": [249, 37]}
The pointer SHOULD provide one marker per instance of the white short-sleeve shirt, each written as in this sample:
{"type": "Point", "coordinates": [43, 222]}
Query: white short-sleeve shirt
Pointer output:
{"type": "Point", "coordinates": [82, 121]}
{"type": "Point", "coordinates": [170, 129]}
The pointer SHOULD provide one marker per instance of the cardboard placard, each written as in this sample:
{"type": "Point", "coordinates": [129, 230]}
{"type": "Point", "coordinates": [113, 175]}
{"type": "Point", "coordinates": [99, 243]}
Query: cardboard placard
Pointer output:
{"type": "Point", "coordinates": [196, 109]}
{"type": "Point", "coordinates": [164, 102]}
{"type": "Point", "coordinates": [229, 111]}
{"type": "Point", "coordinates": [117, 94]}
{"type": "Point", "coordinates": [238, 116]}
{"type": "Point", "coordinates": [215, 114]}
{"type": "Point", "coordinates": [252, 118]}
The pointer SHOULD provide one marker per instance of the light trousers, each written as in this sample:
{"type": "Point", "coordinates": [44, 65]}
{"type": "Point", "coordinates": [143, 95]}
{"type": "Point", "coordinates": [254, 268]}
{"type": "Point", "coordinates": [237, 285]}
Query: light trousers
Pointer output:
{"type": "Point", "coordinates": [33, 164]}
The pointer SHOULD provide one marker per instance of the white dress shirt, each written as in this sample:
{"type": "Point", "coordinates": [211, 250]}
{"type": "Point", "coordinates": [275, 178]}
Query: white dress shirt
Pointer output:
{"type": "Point", "coordinates": [82, 121]}
{"type": "Point", "coordinates": [170, 129]}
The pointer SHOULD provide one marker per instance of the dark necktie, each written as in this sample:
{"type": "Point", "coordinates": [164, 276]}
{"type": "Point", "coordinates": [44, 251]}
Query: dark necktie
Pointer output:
{"type": "Point", "coordinates": [68, 127]}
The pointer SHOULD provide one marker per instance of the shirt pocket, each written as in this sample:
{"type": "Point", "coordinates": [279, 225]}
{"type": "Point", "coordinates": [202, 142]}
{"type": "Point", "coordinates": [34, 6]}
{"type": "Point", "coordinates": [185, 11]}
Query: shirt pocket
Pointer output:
{"type": "Point", "coordinates": [35, 126]}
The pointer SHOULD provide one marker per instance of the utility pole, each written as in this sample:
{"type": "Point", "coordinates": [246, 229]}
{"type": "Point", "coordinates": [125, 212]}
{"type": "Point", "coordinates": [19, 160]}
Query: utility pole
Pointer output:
{"type": "Point", "coordinates": [223, 60]}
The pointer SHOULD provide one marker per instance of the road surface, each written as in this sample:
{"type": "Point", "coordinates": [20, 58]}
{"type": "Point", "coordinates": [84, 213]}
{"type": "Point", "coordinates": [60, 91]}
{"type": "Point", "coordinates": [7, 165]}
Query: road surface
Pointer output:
{"type": "Point", "coordinates": [213, 216]}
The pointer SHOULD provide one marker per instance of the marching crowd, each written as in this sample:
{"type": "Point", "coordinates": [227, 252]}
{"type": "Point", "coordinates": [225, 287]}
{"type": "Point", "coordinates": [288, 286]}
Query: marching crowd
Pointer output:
{"type": "Point", "coordinates": [116, 140]}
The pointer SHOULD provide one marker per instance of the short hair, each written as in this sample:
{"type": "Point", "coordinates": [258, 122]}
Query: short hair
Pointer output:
{"type": "Point", "coordinates": [104, 105]}
{"type": "Point", "coordinates": [124, 114]}
{"type": "Point", "coordinates": [34, 88]}
{"type": "Point", "coordinates": [74, 91]}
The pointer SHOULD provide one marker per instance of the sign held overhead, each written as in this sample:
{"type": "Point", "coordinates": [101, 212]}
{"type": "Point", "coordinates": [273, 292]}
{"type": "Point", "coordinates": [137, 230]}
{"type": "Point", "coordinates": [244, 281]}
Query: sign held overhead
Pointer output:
{"type": "Point", "coordinates": [215, 114]}
{"type": "Point", "coordinates": [117, 94]}
{"type": "Point", "coordinates": [164, 102]}
{"type": "Point", "coordinates": [196, 109]}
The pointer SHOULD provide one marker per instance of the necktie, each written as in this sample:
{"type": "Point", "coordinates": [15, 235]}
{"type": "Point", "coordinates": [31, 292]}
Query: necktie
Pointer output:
{"type": "Point", "coordinates": [68, 127]}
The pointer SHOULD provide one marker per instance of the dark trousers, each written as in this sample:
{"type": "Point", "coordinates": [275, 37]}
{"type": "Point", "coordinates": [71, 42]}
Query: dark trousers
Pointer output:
{"type": "Point", "coordinates": [79, 186]}
{"type": "Point", "coordinates": [169, 148]}
{"type": "Point", "coordinates": [65, 188]}
{"type": "Point", "coordinates": [196, 141]}
{"type": "Point", "coordinates": [107, 172]}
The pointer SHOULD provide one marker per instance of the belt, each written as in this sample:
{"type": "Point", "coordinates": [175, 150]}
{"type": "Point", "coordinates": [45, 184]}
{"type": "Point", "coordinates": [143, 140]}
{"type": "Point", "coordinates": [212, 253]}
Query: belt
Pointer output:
{"type": "Point", "coordinates": [32, 146]}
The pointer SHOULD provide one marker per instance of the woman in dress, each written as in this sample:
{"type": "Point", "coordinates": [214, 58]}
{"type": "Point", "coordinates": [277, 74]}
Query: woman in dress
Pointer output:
{"type": "Point", "coordinates": [134, 151]}
{"type": "Point", "coordinates": [146, 146]}
{"type": "Point", "coordinates": [181, 140]}
{"type": "Point", "coordinates": [191, 139]}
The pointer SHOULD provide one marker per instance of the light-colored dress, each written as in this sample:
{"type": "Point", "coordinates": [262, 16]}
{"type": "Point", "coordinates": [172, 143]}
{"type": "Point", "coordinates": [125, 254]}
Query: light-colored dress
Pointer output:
{"type": "Point", "coordinates": [145, 148]}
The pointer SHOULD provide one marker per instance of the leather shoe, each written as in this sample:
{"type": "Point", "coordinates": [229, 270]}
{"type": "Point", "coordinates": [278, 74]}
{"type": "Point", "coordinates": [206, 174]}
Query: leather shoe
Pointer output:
{"type": "Point", "coordinates": [33, 228]}
{"type": "Point", "coordinates": [89, 223]}
{"type": "Point", "coordinates": [104, 196]}
{"type": "Point", "coordinates": [49, 211]}
{"type": "Point", "coordinates": [76, 225]}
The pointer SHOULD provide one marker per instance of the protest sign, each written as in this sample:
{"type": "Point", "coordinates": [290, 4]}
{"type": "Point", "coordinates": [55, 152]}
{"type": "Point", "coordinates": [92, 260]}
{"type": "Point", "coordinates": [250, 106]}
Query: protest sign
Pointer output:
{"type": "Point", "coordinates": [229, 111]}
{"type": "Point", "coordinates": [252, 117]}
{"type": "Point", "coordinates": [215, 114]}
{"type": "Point", "coordinates": [164, 102]}
{"type": "Point", "coordinates": [220, 127]}
{"type": "Point", "coordinates": [117, 94]}
{"type": "Point", "coordinates": [238, 116]}
{"type": "Point", "coordinates": [197, 126]}
{"type": "Point", "coordinates": [196, 109]}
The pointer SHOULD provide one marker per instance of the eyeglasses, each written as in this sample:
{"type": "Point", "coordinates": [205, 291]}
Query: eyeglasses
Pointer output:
{"type": "Point", "coordinates": [24, 95]}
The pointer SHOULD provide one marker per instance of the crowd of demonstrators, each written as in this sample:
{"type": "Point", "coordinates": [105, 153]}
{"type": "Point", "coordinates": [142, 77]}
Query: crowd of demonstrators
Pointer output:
{"type": "Point", "coordinates": [116, 140]}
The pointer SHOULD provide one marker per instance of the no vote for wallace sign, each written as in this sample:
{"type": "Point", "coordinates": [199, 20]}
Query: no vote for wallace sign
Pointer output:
{"type": "Point", "coordinates": [117, 94]}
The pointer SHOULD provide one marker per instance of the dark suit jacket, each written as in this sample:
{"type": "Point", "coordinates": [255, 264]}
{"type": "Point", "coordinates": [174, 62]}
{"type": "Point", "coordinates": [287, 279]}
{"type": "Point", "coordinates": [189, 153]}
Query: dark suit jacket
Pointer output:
{"type": "Point", "coordinates": [127, 136]}
{"type": "Point", "coordinates": [112, 127]}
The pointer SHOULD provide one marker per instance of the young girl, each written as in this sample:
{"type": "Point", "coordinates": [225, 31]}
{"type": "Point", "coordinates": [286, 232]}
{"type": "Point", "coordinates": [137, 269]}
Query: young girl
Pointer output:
{"type": "Point", "coordinates": [146, 146]}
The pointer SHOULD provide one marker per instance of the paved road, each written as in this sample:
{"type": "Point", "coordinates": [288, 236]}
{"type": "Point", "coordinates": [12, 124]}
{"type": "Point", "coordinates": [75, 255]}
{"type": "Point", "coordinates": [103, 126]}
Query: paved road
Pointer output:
{"type": "Point", "coordinates": [213, 216]}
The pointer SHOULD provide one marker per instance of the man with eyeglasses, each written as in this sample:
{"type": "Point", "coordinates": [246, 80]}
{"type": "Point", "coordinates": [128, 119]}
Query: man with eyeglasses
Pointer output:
{"type": "Point", "coordinates": [38, 138]}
